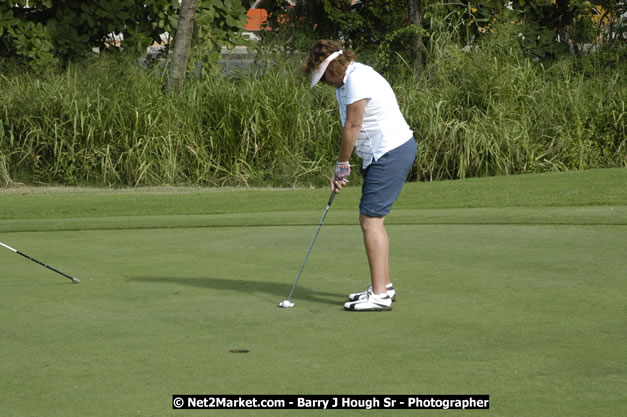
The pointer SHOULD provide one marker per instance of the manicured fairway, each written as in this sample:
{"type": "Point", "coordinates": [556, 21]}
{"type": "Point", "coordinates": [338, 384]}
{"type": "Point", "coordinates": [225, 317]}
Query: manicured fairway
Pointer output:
{"type": "Point", "coordinates": [515, 287]}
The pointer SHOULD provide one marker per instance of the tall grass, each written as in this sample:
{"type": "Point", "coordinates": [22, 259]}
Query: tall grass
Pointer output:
{"type": "Point", "coordinates": [492, 111]}
{"type": "Point", "coordinates": [488, 111]}
{"type": "Point", "coordinates": [108, 122]}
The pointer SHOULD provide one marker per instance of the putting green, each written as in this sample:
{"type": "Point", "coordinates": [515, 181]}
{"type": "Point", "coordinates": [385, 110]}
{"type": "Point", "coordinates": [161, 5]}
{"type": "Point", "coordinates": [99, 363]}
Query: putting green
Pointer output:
{"type": "Point", "coordinates": [513, 287]}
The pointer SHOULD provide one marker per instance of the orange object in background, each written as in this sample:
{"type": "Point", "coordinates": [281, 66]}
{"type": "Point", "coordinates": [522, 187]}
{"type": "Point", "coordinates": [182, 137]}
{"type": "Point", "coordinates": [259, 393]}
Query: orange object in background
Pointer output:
{"type": "Point", "coordinates": [257, 20]}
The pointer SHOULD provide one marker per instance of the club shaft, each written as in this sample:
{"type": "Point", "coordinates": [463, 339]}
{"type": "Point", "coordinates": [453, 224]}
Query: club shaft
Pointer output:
{"type": "Point", "coordinates": [76, 280]}
{"type": "Point", "coordinates": [9, 247]}
{"type": "Point", "coordinates": [311, 245]}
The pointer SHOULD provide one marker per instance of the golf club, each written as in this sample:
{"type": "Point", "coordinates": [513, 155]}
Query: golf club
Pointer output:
{"type": "Point", "coordinates": [75, 280]}
{"type": "Point", "coordinates": [287, 303]}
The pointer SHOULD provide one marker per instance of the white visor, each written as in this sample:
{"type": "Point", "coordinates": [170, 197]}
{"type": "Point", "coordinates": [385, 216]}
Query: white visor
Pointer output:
{"type": "Point", "coordinates": [319, 72]}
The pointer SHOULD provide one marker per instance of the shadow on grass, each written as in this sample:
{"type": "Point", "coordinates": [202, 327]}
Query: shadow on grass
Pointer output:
{"type": "Point", "coordinates": [279, 290]}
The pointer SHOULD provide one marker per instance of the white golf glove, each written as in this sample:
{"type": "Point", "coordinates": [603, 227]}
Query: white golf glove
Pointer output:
{"type": "Point", "coordinates": [342, 171]}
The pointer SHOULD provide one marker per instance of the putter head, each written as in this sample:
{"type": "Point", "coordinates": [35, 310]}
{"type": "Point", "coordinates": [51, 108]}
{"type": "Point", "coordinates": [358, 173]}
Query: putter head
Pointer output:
{"type": "Point", "coordinates": [286, 304]}
{"type": "Point", "coordinates": [76, 280]}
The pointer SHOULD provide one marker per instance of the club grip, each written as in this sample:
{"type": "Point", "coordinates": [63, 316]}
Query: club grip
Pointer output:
{"type": "Point", "coordinates": [331, 198]}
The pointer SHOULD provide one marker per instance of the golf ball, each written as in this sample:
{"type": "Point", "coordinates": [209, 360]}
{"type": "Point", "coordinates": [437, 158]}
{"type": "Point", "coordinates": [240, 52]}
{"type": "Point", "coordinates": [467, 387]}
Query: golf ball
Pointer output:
{"type": "Point", "coordinates": [286, 303]}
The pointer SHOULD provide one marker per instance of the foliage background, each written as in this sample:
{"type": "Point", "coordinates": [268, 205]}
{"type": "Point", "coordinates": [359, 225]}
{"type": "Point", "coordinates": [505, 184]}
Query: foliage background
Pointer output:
{"type": "Point", "coordinates": [57, 32]}
{"type": "Point", "coordinates": [491, 107]}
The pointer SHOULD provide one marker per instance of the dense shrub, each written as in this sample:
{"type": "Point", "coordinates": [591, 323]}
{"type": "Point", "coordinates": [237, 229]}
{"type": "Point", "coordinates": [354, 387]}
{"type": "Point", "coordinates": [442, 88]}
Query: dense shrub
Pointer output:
{"type": "Point", "coordinates": [484, 111]}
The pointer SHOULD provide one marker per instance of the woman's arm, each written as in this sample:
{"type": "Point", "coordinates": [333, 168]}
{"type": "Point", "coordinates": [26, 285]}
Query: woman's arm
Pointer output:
{"type": "Point", "coordinates": [352, 127]}
{"type": "Point", "coordinates": [350, 134]}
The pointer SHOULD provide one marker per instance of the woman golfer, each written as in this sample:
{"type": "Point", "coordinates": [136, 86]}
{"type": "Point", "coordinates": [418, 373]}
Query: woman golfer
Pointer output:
{"type": "Point", "coordinates": [375, 129]}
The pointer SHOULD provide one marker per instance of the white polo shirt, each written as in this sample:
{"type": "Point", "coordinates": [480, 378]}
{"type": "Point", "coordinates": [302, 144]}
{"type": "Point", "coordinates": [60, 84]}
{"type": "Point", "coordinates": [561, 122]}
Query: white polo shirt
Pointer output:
{"type": "Point", "coordinates": [384, 128]}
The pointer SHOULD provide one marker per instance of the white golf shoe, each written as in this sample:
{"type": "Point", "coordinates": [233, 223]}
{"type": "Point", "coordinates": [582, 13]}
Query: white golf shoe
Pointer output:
{"type": "Point", "coordinates": [358, 295]}
{"type": "Point", "coordinates": [370, 302]}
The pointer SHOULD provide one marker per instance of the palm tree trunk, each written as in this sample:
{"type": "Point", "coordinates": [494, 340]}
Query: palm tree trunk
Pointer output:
{"type": "Point", "coordinates": [182, 42]}
{"type": "Point", "coordinates": [415, 18]}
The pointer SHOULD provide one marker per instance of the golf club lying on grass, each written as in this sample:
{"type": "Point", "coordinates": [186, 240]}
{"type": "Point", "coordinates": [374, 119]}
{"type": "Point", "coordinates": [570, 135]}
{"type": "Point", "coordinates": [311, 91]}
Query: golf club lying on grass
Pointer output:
{"type": "Point", "coordinates": [75, 280]}
{"type": "Point", "coordinates": [287, 303]}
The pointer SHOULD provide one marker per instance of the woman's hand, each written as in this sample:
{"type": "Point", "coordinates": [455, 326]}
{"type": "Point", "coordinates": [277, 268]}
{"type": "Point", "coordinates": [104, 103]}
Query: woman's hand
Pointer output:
{"type": "Point", "coordinates": [340, 176]}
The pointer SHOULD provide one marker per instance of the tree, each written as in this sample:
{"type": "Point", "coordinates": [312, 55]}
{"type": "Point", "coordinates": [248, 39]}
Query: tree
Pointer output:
{"type": "Point", "coordinates": [47, 33]}
{"type": "Point", "coordinates": [416, 18]}
{"type": "Point", "coordinates": [182, 41]}
{"type": "Point", "coordinates": [545, 28]}
{"type": "Point", "coordinates": [385, 32]}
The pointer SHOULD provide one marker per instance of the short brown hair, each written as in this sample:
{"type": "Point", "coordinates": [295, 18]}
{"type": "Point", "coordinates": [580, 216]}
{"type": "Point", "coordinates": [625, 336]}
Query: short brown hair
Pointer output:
{"type": "Point", "coordinates": [321, 50]}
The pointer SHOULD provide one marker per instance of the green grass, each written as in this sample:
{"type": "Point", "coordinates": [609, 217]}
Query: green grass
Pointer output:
{"type": "Point", "coordinates": [510, 286]}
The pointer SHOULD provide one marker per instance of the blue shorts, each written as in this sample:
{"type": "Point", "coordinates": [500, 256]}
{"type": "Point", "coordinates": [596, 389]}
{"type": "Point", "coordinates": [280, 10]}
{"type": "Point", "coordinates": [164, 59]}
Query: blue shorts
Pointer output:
{"type": "Point", "coordinates": [384, 179]}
